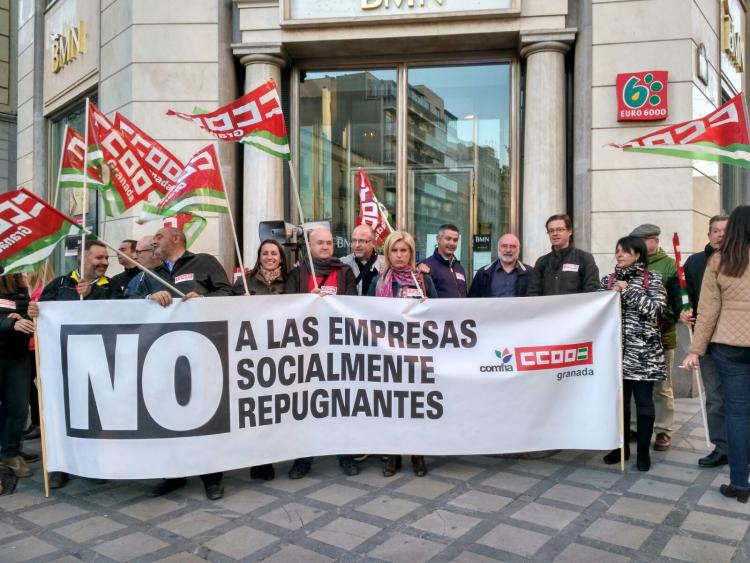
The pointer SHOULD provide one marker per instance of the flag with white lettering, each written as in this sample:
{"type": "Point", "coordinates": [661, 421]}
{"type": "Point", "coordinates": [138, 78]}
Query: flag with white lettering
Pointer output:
{"type": "Point", "coordinates": [721, 136]}
{"type": "Point", "coordinates": [199, 188]}
{"type": "Point", "coordinates": [71, 167]}
{"type": "Point", "coordinates": [371, 212]}
{"type": "Point", "coordinates": [131, 181]}
{"type": "Point", "coordinates": [255, 119]}
{"type": "Point", "coordinates": [30, 229]}
{"type": "Point", "coordinates": [163, 166]}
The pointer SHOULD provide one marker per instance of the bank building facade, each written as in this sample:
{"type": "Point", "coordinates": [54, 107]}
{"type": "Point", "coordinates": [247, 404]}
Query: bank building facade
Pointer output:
{"type": "Point", "coordinates": [489, 114]}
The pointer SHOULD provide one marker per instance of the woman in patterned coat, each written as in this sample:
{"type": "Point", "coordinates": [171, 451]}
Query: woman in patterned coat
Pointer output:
{"type": "Point", "coordinates": [644, 300]}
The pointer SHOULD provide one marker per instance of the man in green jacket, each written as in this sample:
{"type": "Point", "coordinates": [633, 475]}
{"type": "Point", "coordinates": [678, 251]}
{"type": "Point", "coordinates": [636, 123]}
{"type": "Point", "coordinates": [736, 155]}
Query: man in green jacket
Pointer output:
{"type": "Point", "coordinates": [659, 262]}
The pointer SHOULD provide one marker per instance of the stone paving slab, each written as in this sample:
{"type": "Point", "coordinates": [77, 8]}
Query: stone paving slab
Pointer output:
{"type": "Point", "coordinates": [469, 509]}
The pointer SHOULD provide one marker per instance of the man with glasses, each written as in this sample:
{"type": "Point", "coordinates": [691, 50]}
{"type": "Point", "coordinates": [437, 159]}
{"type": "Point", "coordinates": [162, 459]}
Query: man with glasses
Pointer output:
{"type": "Point", "coordinates": [364, 260]}
{"type": "Point", "coordinates": [144, 255]}
{"type": "Point", "coordinates": [659, 262]}
{"type": "Point", "coordinates": [566, 269]}
{"type": "Point", "coordinates": [120, 281]}
{"type": "Point", "coordinates": [505, 277]}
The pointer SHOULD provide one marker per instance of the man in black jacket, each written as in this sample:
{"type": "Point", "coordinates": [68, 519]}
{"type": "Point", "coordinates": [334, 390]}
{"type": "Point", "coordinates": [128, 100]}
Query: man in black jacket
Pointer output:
{"type": "Point", "coordinates": [446, 271]}
{"type": "Point", "coordinates": [195, 275]}
{"type": "Point", "coordinates": [505, 277]}
{"type": "Point", "coordinates": [120, 281]}
{"type": "Point", "coordinates": [695, 267]}
{"type": "Point", "coordinates": [93, 284]}
{"type": "Point", "coordinates": [333, 277]}
{"type": "Point", "coordinates": [566, 269]}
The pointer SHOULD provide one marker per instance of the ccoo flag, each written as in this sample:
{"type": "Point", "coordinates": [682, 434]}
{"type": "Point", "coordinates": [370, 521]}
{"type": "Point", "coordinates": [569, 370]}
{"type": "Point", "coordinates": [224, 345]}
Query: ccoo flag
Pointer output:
{"type": "Point", "coordinates": [255, 119]}
{"type": "Point", "coordinates": [721, 136]}
{"type": "Point", "coordinates": [130, 179]}
{"type": "Point", "coordinates": [30, 229]}
{"type": "Point", "coordinates": [199, 188]}
{"type": "Point", "coordinates": [71, 165]}
{"type": "Point", "coordinates": [163, 166]}
{"type": "Point", "coordinates": [371, 212]}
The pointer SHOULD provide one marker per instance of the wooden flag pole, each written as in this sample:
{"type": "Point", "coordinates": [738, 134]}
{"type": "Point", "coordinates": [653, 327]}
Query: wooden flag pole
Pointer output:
{"type": "Point", "coordinates": [40, 400]}
{"type": "Point", "coordinates": [295, 193]}
{"type": "Point", "coordinates": [234, 228]}
{"type": "Point", "coordinates": [85, 198]}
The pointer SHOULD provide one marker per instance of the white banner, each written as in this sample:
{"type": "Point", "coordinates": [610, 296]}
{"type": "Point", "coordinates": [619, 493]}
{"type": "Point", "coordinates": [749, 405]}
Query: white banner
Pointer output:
{"type": "Point", "coordinates": [132, 390]}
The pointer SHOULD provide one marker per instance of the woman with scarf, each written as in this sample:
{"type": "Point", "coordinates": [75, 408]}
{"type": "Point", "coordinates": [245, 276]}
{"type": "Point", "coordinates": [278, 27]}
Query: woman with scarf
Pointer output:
{"type": "Point", "coordinates": [400, 278]}
{"type": "Point", "coordinates": [15, 331]}
{"type": "Point", "coordinates": [266, 278]}
{"type": "Point", "coordinates": [644, 300]}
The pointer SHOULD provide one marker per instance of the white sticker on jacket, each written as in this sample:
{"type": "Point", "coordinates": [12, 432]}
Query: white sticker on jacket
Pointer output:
{"type": "Point", "coordinates": [329, 289]}
{"type": "Point", "coordinates": [570, 267]}
{"type": "Point", "coordinates": [7, 304]}
{"type": "Point", "coordinates": [460, 276]}
{"type": "Point", "coordinates": [412, 292]}
{"type": "Point", "coordinates": [184, 277]}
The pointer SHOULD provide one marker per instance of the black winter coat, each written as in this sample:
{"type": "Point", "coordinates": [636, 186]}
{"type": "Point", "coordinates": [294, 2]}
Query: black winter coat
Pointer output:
{"type": "Point", "coordinates": [13, 344]}
{"type": "Point", "coordinates": [64, 288]}
{"type": "Point", "coordinates": [481, 286]}
{"type": "Point", "coordinates": [201, 273]}
{"type": "Point", "coordinates": [565, 271]}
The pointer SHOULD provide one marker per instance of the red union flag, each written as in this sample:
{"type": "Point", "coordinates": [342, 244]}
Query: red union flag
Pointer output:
{"type": "Point", "coordinates": [554, 357]}
{"type": "Point", "coordinates": [164, 167]}
{"type": "Point", "coordinates": [371, 212]}
{"type": "Point", "coordinates": [255, 119]}
{"type": "Point", "coordinates": [30, 229]}
{"type": "Point", "coordinates": [131, 181]}
{"type": "Point", "coordinates": [721, 136]}
{"type": "Point", "coordinates": [191, 225]}
{"type": "Point", "coordinates": [200, 187]}
{"type": "Point", "coordinates": [71, 166]}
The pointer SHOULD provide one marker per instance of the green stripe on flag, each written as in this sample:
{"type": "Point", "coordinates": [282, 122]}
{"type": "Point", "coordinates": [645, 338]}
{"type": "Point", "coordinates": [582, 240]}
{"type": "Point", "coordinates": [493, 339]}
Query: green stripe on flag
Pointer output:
{"type": "Point", "coordinates": [31, 257]}
{"type": "Point", "coordinates": [263, 140]}
{"type": "Point", "coordinates": [736, 154]}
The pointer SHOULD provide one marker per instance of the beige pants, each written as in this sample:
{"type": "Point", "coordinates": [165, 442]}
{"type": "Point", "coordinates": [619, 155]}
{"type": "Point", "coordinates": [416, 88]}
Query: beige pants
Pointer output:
{"type": "Point", "coordinates": [663, 401]}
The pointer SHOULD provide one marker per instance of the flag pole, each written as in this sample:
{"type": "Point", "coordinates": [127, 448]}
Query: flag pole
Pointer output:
{"type": "Point", "coordinates": [234, 228]}
{"type": "Point", "coordinates": [295, 192]}
{"type": "Point", "coordinates": [40, 400]}
{"type": "Point", "coordinates": [685, 306]}
{"type": "Point", "coordinates": [85, 231]}
{"type": "Point", "coordinates": [85, 188]}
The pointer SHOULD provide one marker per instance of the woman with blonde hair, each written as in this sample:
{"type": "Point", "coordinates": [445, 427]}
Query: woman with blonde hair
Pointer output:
{"type": "Point", "coordinates": [400, 278]}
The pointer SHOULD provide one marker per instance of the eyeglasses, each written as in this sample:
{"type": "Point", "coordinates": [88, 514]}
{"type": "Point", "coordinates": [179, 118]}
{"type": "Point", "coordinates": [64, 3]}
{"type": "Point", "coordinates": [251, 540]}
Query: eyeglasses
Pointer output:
{"type": "Point", "coordinates": [555, 231]}
{"type": "Point", "coordinates": [356, 241]}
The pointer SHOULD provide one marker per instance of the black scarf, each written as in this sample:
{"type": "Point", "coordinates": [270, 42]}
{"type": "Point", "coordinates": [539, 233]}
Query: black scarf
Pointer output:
{"type": "Point", "coordinates": [324, 266]}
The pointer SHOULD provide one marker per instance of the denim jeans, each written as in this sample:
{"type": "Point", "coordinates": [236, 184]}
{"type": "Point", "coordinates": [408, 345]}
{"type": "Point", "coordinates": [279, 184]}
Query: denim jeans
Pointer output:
{"type": "Point", "coordinates": [733, 363]}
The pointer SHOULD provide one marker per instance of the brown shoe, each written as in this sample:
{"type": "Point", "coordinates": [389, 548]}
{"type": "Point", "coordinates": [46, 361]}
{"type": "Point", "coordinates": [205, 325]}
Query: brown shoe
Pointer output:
{"type": "Point", "coordinates": [18, 466]}
{"type": "Point", "coordinates": [662, 442]}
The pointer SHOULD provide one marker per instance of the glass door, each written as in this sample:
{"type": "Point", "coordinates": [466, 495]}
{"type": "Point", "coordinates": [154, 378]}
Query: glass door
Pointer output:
{"type": "Point", "coordinates": [457, 137]}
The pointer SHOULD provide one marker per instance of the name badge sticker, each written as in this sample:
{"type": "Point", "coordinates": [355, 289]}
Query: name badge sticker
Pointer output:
{"type": "Point", "coordinates": [412, 293]}
{"type": "Point", "coordinates": [460, 276]}
{"type": "Point", "coordinates": [329, 289]}
{"type": "Point", "coordinates": [7, 304]}
{"type": "Point", "coordinates": [184, 278]}
{"type": "Point", "coordinates": [570, 267]}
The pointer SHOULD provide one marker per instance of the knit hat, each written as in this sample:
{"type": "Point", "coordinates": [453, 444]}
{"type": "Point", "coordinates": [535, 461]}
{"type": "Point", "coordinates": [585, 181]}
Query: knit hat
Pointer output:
{"type": "Point", "coordinates": [646, 230]}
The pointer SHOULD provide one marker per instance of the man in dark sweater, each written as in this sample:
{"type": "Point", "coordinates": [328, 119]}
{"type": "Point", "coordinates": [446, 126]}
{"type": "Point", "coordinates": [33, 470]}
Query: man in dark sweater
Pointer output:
{"type": "Point", "coordinates": [505, 277]}
{"type": "Point", "coordinates": [446, 271]}
{"type": "Point", "coordinates": [566, 269]}
{"type": "Point", "coordinates": [196, 275]}
{"type": "Point", "coordinates": [695, 267]}
{"type": "Point", "coordinates": [121, 280]}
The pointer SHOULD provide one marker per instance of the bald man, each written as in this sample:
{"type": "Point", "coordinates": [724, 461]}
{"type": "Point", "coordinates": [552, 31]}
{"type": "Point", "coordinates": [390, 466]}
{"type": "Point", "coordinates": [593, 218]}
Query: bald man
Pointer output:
{"type": "Point", "coordinates": [144, 255]}
{"type": "Point", "coordinates": [505, 277]}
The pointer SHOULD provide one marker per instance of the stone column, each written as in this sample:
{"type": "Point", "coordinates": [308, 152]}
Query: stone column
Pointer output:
{"type": "Point", "coordinates": [544, 143]}
{"type": "Point", "coordinates": [263, 174]}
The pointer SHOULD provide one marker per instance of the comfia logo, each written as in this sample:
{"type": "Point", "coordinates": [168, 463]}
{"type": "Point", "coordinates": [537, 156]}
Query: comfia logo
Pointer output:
{"type": "Point", "coordinates": [506, 357]}
{"type": "Point", "coordinates": [642, 96]}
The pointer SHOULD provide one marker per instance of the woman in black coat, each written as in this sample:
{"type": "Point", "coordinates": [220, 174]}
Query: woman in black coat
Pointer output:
{"type": "Point", "coordinates": [266, 278]}
{"type": "Point", "coordinates": [15, 331]}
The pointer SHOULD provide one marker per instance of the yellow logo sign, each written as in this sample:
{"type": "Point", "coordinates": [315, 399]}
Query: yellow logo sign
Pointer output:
{"type": "Point", "coordinates": [375, 4]}
{"type": "Point", "coordinates": [68, 45]}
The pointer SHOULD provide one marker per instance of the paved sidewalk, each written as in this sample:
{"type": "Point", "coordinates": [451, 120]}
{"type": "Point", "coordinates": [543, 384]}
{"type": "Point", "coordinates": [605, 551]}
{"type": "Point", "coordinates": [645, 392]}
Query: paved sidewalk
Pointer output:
{"type": "Point", "coordinates": [472, 509]}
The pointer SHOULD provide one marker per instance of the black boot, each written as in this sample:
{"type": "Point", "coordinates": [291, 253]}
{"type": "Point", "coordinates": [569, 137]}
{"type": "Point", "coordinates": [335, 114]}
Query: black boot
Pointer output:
{"type": "Point", "coordinates": [644, 431]}
{"type": "Point", "coordinates": [392, 465]}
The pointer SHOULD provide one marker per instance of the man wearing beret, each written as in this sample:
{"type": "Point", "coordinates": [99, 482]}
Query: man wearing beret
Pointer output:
{"type": "Point", "coordinates": [659, 262]}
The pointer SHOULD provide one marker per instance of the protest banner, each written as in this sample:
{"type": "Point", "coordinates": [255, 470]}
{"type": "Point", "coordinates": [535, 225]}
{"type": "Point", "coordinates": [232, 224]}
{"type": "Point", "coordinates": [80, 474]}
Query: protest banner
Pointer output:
{"type": "Point", "coordinates": [133, 390]}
